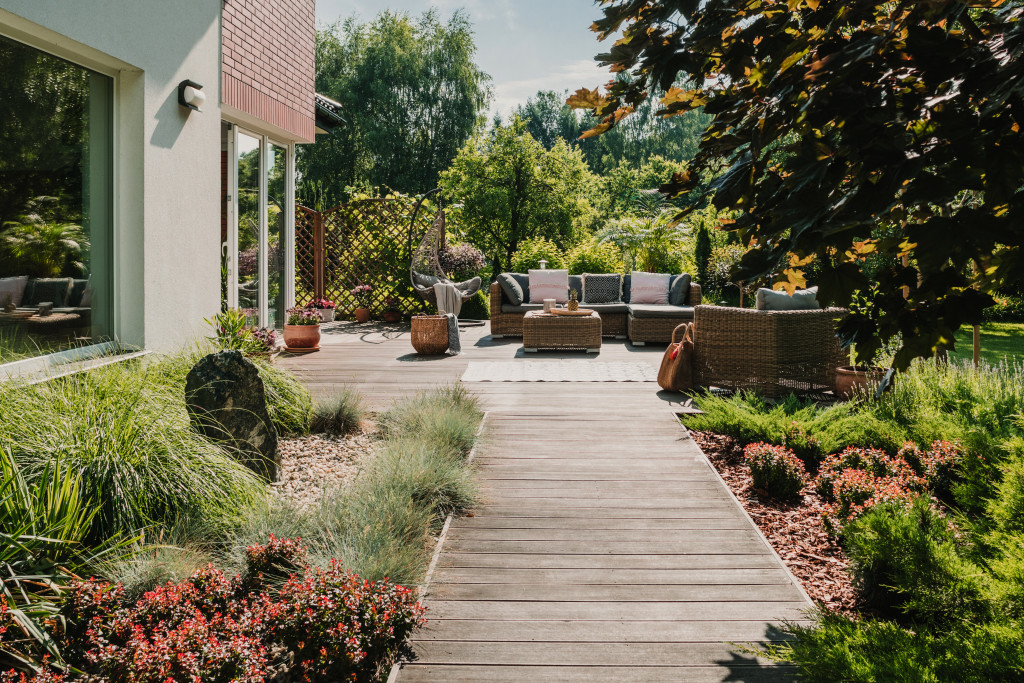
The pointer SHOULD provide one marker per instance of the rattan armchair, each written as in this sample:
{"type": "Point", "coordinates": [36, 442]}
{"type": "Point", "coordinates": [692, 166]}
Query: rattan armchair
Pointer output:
{"type": "Point", "coordinates": [771, 352]}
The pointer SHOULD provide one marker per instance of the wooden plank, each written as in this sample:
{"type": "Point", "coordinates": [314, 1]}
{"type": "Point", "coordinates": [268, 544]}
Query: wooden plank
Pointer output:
{"type": "Point", "coordinates": [588, 674]}
{"type": "Point", "coordinates": [634, 612]}
{"type": "Point", "coordinates": [607, 561]}
{"type": "Point", "coordinates": [458, 545]}
{"type": "Point", "coordinates": [604, 535]}
{"type": "Point", "coordinates": [645, 524]}
{"type": "Point", "coordinates": [570, 592]}
{"type": "Point", "coordinates": [584, 654]}
{"type": "Point", "coordinates": [617, 631]}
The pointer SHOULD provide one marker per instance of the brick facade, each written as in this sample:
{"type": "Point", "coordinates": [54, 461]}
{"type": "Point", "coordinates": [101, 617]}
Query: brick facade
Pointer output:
{"type": "Point", "coordinates": [267, 61]}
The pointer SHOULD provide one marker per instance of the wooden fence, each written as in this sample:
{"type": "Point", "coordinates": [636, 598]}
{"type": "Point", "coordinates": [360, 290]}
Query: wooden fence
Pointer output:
{"type": "Point", "coordinates": [364, 242]}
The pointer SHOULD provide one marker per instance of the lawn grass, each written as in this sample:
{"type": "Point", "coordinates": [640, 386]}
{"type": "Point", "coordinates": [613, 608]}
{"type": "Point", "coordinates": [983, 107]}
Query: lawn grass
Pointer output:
{"type": "Point", "coordinates": [999, 341]}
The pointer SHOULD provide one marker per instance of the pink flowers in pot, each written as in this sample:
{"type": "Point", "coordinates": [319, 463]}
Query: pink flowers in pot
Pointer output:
{"type": "Point", "coordinates": [363, 295]}
{"type": "Point", "coordinates": [303, 316]}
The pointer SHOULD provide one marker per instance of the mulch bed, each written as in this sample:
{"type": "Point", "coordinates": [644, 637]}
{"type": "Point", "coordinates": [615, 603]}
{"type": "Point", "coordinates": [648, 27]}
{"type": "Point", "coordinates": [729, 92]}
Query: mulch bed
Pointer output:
{"type": "Point", "coordinates": [794, 530]}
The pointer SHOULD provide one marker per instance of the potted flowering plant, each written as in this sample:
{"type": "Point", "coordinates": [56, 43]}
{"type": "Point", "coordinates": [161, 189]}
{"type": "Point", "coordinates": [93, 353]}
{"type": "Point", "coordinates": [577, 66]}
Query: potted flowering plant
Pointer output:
{"type": "Point", "coordinates": [232, 332]}
{"type": "Point", "coordinates": [391, 312]}
{"type": "Point", "coordinates": [324, 308]}
{"type": "Point", "coordinates": [302, 330]}
{"type": "Point", "coordinates": [363, 294]}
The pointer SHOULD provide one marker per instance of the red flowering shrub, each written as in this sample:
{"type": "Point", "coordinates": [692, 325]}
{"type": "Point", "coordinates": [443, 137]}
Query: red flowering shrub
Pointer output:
{"type": "Point", "coordinates": [937, 465]}
{"type": "Point", "coordinates": [775, 470]}
{"type": "Point", "coordinates": [857, 490]}
{"type": "Point", "coordinates": [325, 625]}
{"type": "Point", "coordinates": [871, 460]}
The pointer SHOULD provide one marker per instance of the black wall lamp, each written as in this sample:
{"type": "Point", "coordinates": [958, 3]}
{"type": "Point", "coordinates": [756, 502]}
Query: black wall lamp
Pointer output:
{"type": "Point", "coordinates": [191, 95]}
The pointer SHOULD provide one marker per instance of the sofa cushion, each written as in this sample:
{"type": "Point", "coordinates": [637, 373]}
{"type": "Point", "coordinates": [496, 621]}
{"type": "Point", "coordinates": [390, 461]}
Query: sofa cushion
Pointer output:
{"type": "Point", "coordinates": [802, 300]}
{"type": "Point", "coordinates": [55, 290]}
{"type": "Point", "coordinates": [679, 290]}
{"type": "Point", "coordinates": [649, 288]}
{"type": "Point", "coordinates": [660, 311]}
{"type": "Point", "coordinates": [549, 284]}
{"type": "Point", "coordinates": [523, 308]}
{"type": "Point", "coordinates": [626, 282]}
{"type": "Point", "coordinates": [615, 307]}
{"type": "Point", "coordinates": [510, 287]}
{"type": "Point", "coordinates": [576, 282]}
{"type": "Point", "coordinates": [78, 288]}
{"type": "Point", "coordinates": [605, 288]}
{"type": "Point", "coordinates": [12, 289]}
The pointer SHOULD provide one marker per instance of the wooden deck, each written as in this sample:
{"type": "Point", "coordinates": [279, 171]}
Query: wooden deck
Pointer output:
{"type": "Point", "coordinates": [606, 548]}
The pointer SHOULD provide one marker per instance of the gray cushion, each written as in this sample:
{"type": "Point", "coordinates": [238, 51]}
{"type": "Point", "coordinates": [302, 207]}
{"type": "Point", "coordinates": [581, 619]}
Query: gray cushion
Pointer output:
{"type": "Point", "coordinates": [511, 288]}
{"type": "Point", "coordinates": [679, 290]}
{"type": "Point", "coordinates": [576, 282]}
{"type": "Point", "coordinates": [602, 289]}
{"type": "Point", "coordinates": [660, 311]}
{"type": "Point", "coordinates": [617, 307]}
{"type": "Point", "coordinates": [802, 300]}
{"type": "Point", "coordinates": [77, 290]}
{"type": "Point", "coordinates": [626, 280]}
{"type": "Point", "coordinates": [424, 280]}
{"type": "Point", "coordinates": [522, 308]}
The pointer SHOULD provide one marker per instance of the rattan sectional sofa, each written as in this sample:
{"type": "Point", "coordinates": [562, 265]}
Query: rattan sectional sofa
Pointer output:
{"type": "Point", "coordinates": [641, 323]}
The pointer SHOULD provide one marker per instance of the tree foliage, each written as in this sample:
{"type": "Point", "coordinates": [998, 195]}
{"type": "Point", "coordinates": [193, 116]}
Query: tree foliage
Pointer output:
{"type": "Point", "coordinates": [510, 188]}
{"type": "Point", "coordinates": [411, 96]}
{"type": "Point", "coordinates": [836, 119]}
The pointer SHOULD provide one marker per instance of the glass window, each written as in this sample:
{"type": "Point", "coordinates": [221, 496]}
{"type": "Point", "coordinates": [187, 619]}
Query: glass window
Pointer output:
{"type": "Point", "coordinates": [276, 212]}
{"type": "Point", "coordinates": [56, 225]}
{"type": "Point", "coordinates": [248, 154]}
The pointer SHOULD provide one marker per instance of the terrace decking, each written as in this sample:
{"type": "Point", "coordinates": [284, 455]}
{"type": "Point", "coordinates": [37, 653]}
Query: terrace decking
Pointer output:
{"type": "Point", "coordinates": [606, 547]}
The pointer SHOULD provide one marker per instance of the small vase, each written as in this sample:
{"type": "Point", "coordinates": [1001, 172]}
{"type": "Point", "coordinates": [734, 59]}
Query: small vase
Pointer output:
{"type": "Point", "coordinates": [302, 336]}
{"type": "Point", "coordinates": [392, 316]}
{"type": "Point", "coordinates": [362, 315]}
{"type": "Point", "coordinates": [851, 381]}
{"type": "Point", "coordinates": [327, 315]}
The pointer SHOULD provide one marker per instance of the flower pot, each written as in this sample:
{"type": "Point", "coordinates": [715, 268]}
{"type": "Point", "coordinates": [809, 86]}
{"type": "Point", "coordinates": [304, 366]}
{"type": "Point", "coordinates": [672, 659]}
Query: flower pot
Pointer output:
{"type": "Point", "coordinates": [392, 316]}
{"type": "Point", "coordinates": [362, 315]}
{"type": "Point", "coordinates": [326, 315]}
{"type": "Point", "coordinates": [851, 381]}
{"type": "Point", "coordinates": [302, 336]}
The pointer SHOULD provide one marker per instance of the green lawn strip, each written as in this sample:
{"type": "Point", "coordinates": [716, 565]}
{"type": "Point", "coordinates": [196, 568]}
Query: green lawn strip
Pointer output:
{"type": "Point", "coordinates": [942, 581]}
{"type": "Point", "coordinates": [999, 342]}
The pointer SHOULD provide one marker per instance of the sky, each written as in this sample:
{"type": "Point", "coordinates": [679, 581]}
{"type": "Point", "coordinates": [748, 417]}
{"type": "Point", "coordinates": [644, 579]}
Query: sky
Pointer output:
{"type": "Point", "coordinates": [525, 45]}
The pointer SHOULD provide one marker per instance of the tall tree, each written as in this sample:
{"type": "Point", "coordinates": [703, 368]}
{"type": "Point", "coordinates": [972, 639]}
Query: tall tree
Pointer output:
{"type": "Point", "coordinates": [837, 118]}
{"type": "Point", "coordinates": [549, 119]}
{"type": "Point", "coordinates": [411, 96]}
{"type": "Point", "coordinates": [510, 188]}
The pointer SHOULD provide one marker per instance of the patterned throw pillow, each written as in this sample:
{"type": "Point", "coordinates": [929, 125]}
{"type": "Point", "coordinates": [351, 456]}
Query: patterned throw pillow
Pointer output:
{"type": "Point", "coordinates": [549, 284]}
{"type": "Point", "coordinates": [649, 288]}
{"type": "Point", "coordinates": [602, 289]}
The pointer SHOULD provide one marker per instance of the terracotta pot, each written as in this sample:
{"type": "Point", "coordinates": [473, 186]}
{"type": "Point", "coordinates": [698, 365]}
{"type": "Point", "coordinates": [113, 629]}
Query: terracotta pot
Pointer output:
{"type": "Point", "coordinates": [392, 316]}
{"type": "Point", "coordinates": [326, 315]}
{"type": "Point", "coordinates": [301, 336]}
{"type": "Point", "coordinates": [362, 315]}
{"type": "Point", "coordinates": [851, 381]}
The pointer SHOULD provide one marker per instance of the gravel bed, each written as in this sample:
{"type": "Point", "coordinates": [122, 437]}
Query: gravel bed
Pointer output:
{"type": "Point", "coordinates": [312, 464]}
{"type": "Point", "coordinates": [794, 530]}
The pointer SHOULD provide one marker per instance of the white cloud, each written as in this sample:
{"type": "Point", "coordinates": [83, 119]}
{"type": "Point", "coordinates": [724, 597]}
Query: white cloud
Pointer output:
{"type": "Point", "coordinates": [584, 73]}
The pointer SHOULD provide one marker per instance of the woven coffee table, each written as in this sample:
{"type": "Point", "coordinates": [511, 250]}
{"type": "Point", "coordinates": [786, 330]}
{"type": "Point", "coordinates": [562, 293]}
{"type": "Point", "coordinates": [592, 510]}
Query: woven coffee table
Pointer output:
{"type": "Point", "coordinates": [561, 332]}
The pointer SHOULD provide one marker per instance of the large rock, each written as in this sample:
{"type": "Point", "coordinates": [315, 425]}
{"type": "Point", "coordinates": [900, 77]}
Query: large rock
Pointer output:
{"type": "Point", "coordinates": [226, 401]}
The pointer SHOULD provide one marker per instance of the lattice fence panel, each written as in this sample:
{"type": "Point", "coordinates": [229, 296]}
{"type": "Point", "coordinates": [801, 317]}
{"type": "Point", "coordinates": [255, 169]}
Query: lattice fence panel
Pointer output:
{"type": "Point", "coordinates": [306, 222]}
{"type": "Point", "coordinates": [363, 242]}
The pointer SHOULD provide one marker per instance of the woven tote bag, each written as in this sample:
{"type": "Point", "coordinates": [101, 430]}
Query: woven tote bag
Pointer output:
{"type": "Point", "coordinates": [676, 372]}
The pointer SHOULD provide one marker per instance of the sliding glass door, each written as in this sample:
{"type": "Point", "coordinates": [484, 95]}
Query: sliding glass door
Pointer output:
{"type": "Point", "coordinates": [261, 210]}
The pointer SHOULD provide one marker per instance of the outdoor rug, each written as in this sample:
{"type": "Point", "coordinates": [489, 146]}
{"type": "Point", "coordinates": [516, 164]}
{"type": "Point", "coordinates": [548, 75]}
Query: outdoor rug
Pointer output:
{"type": "Point", "coordinates": [558, 371]}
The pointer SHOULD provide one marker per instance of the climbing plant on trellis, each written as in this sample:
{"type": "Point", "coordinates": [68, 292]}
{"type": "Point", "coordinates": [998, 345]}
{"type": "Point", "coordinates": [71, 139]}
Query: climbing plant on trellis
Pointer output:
{"type": "Point", "coordinates": [366, 241]}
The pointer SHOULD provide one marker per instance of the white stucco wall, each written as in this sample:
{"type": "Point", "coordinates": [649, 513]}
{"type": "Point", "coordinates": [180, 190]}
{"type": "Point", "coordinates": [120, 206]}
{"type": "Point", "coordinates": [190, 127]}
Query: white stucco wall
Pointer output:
{"type": "Point", "coordinates": [167, 161]}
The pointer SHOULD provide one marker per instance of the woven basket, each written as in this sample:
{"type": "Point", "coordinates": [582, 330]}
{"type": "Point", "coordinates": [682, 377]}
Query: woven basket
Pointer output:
{"type": "Point", "coordinates": [430, 334]}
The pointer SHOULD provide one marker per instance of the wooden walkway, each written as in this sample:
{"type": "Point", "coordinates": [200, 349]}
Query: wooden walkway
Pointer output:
{"type": "Point", "coordinates": [606, 547]}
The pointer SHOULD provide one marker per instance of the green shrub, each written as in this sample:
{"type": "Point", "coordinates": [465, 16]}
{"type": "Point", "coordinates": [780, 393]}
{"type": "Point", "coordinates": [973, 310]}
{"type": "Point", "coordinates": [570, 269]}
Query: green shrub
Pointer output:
{"type": "Point", "coordinates": [837, 648]}
{"type": "Point", "coordinates": [340, 414]}
{"type": "Point", "coordinates": [775, 470]}
{"type": "Point", "coordinates": [905, 562]}
{"type": "Point", "coordinates": [532, 251]}
{"type": "Point", "coordinates": [1007, 506]}
{"type": "Point", "coordinates": [861, 429]}
{"type": "Point", "coordinates": [477, 307]}
{"type": "Point", "coordinates": [448, 418]}
{"type": "Point", "coordinates": [591, 256]}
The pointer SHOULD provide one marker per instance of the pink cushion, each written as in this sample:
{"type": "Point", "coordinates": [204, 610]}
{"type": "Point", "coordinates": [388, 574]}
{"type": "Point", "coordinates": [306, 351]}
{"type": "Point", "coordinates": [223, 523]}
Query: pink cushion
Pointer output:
{"type": "Point", "coordinates": [549, 284]}
{"type": "Point", "coordinates": [649, 288]}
